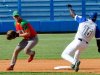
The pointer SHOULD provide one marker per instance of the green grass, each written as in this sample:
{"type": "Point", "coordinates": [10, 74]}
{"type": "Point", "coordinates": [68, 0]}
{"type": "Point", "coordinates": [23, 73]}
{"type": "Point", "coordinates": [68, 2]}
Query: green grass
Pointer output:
{"type": "Point", "coordinates": [50, 46]}
{"type": "Point", "coordinates": [41, 73]}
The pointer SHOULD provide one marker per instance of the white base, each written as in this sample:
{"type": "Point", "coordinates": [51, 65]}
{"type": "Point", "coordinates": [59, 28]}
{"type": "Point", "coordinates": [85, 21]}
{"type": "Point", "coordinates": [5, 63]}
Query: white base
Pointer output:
{"type": "Point", "coordinates": [62, 67]}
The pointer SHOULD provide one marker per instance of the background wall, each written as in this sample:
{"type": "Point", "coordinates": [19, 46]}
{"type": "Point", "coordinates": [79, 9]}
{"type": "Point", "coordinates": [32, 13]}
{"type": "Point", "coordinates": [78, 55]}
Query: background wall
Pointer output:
{"type": "Point", "coordinates": [46, 15]}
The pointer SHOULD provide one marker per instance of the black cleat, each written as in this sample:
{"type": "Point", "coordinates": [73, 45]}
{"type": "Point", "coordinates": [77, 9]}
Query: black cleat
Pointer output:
{"type": "Point", "coordinates": [72, 66]}
{"type": "Point", "coordinates": [76, 68]}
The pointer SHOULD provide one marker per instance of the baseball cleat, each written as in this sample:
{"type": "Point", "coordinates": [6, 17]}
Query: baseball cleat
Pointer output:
{"type": "Point", "coordinates": [31, 57]}
{"type": "Point", "coordinates": [77, 66]}
{"type": "Point", "coordinates": [10, 67]}
{"type": "Point", "coordinates": [72, 66]}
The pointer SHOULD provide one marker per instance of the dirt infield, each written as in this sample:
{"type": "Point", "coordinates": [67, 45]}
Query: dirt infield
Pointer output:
{"type": "Point", "coordinates": [87, 65]}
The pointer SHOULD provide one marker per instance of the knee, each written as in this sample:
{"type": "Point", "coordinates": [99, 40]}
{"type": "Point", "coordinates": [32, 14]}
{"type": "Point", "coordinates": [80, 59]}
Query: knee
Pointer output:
{"type": "Point", "coordinates": [26, 51]}
{"type": "Point", "coordinates": [62, 55]}
{"type": "Point", "coordinates": [16, 52]}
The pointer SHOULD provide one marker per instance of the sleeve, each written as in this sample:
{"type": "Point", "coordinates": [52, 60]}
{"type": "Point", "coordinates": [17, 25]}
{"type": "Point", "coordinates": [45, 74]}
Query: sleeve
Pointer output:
{"type": "Point", "coordinates": [80, 19]}
{"type": "Point", "coordinates": [24, 25]}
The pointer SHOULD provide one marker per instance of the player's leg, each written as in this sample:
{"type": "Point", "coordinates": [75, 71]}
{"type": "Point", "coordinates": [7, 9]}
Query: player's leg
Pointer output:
{"type": "Point", "coordinates": [72, 47]}
{"type": "Point", "coordinates": [77, 55]}
{"type": "Point", "coordinates": [14, 58]}
{"type": "Point", "coordinates": [69, 51]}
{"type": "Point", "coordinates": [18, 48]}
{"type": "Point", "coordinates": [31, 43]}
{"type": "Point", "coordinates": [81, 47]}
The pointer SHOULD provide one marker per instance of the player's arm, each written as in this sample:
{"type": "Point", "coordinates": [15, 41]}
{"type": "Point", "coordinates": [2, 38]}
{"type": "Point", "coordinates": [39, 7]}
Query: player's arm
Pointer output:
{"type": "Point", "coordinates": [77, 18]}
{"type": "Point", "coordinates": [22, 33]}
{"type": "Point", "coordinates": [72, 13]}
{"type": "Point", "coordinates": [25, 32]}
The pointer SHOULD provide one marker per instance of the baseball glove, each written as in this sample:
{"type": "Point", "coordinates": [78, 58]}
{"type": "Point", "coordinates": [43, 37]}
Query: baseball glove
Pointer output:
{"type": "Point", "coordinates": [69, 6]}
{"type": "Point", "coordinates": [11, 34]}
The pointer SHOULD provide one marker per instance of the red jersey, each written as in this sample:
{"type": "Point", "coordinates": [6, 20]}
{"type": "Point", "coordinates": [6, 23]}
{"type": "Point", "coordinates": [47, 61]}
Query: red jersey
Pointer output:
{"type": "Point", "coordinates": [25, 27]}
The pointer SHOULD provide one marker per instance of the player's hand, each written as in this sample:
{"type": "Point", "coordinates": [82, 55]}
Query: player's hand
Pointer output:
{"type": "Point", "coordinates": [69, 6]}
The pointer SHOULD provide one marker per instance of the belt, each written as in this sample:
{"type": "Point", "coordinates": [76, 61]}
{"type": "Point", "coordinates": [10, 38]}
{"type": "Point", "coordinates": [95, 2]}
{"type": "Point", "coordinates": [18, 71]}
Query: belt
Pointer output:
{"type": "Point", "coordinates": [82, 40]}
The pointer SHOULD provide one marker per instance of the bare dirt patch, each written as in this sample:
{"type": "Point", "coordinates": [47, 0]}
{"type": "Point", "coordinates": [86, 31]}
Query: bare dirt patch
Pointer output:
{"type": "Point", "coordinates": [87, 65]}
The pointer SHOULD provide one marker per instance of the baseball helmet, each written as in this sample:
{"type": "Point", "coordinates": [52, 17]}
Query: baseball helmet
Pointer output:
{"type": "Point", "coordinates": [93, 16]}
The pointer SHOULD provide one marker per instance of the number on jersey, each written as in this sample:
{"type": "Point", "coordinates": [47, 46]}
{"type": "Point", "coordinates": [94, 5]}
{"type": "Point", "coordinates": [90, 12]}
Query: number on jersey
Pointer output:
{"type": "Point", "coordinates": [87, 31]}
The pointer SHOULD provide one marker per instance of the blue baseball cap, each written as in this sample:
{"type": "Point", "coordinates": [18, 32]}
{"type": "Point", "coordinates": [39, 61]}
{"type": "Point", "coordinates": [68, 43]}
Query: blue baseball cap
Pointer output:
{"type": "Point", "coordinates": [93, 15]}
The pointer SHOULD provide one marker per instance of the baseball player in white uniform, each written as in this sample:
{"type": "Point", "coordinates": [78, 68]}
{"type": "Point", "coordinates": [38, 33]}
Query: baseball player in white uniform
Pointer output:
{"type": "Point", "coordinates": [85, 33]}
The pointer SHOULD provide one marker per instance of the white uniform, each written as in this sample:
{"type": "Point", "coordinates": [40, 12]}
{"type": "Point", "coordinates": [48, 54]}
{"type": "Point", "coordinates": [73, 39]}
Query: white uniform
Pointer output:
{"type": "Point", "coordinates": [85, 33]}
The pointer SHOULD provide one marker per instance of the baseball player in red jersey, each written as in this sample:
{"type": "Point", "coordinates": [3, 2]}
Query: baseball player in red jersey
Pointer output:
{"type": "Point", "coordinates": [29, 40]}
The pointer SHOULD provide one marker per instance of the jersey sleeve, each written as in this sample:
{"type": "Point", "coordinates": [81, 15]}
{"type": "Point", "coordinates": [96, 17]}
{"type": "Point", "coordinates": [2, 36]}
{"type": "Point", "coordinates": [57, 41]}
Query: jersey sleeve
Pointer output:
{"type": "Point", "coordinates": [80, 19]}
{"type": "Point", "coordinates": [24, 25]}
{"type": "Point", "coordinates": [97, 33]}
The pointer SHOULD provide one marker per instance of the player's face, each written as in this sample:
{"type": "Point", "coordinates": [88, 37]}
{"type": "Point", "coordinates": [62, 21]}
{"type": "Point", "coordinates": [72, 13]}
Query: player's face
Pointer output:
{"type": "Point", "coordinates": [17, 18]}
